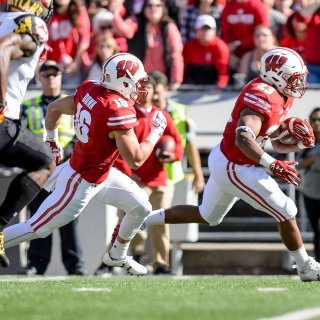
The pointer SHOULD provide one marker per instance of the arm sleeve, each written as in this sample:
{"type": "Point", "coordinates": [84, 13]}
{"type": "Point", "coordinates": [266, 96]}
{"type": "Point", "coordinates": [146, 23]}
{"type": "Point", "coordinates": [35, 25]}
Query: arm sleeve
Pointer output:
{"type": "Point", "coordinates": [33, 26]}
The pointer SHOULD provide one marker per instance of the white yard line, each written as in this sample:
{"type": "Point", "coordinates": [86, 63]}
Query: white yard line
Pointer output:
{"type": "Point", "coordinates": [92, 289]}
{"type": "Point", "coordinates": [304, 314]}
{"type": "Point", "coordinates": [271, 289]}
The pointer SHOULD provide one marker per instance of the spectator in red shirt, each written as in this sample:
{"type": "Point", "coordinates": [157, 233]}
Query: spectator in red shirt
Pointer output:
{"type": "Point", "coordinates": [238, 21]}
{"type": "Point", "coordinates": [69, 38]}
{"type": "Point", "coordinates": [311, 16]}
{"type": "Point", "coordinates": [206, 57]}
{"type": "Point", "coordinates": [295, 35]}
{"type": "Point", "coordinates": [158, 42]}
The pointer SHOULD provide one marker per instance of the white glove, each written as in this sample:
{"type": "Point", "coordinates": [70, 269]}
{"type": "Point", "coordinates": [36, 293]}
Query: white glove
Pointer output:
{"type": "Point", "coordinates": [158, 125]}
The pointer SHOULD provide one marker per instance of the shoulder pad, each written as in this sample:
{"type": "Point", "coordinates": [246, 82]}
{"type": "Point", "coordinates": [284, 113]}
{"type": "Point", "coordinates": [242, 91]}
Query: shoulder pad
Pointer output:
{"type": "Point", "coordinates": [33, 26]}
{"type": "Point", "coordinates": [258, 97]}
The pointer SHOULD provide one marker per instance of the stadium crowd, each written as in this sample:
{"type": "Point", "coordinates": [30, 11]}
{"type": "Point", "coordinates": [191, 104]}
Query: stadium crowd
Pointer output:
{"type": "Point", "coordinates": [192, 41]}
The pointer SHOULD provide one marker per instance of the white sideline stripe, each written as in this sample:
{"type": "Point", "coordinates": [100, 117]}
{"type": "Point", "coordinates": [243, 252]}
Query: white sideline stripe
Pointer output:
{"type": "Point", "coordinates": [92, 289]}
{"type": "Point", "coordinates": [271, 289]}
{"type": "Point", "coordinates": [304, 314]}
{"type": "Point", "coordinates": [32, 279]}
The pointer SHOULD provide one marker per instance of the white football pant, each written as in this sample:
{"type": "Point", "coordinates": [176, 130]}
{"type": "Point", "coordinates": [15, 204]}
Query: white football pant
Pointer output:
{"type": "Point", "coordinates": [71, 195]}
{"type": "Point", "coordinates": [228, 182]}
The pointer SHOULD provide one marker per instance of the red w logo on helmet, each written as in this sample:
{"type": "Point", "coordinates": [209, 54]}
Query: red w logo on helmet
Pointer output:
{"type": "Point", "coordinates": [275, 62]}
{"type": "Point", "coordinates": [126, 65]}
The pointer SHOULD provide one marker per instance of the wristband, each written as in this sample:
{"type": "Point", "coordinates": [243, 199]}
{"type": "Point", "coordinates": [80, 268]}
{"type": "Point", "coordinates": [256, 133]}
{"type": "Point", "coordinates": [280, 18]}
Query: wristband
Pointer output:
{"type": "Point", "coordinates": [52, 134]}
{"type": "Point", "coordinates": [153, 137]}
{"type": "Point", "coordinates": [266, 160]}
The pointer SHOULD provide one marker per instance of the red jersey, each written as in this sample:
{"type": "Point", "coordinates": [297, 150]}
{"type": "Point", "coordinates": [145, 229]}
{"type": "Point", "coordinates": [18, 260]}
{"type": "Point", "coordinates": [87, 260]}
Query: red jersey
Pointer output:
{"type": "Point", "coordinates": [98, 112]}
{"type": "Point", "coordinates": [152, 173]}
{"type": "Point", "coordinates": [239, 20]}
{"type": "Point", "coordinates": [312, 43]}
{"type": "Point", "coordinates": [213, 55]}
{"type": "Point", "coordinates": [64, 38]}
{"type": "Point", "coordinates": [267, 101]}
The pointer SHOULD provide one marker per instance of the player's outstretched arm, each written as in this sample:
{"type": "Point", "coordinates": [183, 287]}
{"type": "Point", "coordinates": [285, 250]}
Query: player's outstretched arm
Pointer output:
{"type": "Point", "coordinates": [12, 46]}
{"type": "Point", "coordinates": [133, 152]}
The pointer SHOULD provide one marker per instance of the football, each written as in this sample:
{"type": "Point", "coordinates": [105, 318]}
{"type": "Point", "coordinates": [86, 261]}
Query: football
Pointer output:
{"type": "Point", "coordinates": [284, 133]}
{"type": "Point", "coordinates": [165, 144]}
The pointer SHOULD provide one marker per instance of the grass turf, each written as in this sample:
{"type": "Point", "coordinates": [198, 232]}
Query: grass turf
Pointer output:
{"type": "Point", "coordinates": [214, 298]}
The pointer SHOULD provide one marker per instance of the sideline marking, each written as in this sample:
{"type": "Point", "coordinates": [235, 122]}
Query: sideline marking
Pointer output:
{"type": "Point", "coordinates": [304, 314]}
{"type": "Point", "coordinates": [33, 279]}
{"type": "Point", "coordinates": [271, 289]}
{"type": "Point", "coordinates": [92, 289]}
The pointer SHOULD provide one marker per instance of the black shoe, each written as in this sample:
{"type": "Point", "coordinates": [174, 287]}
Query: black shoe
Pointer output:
{"type": "Point", "coordinates": [77, 272]}
{"type": "Point", "coordinates": [162, 269]}
{"type": "Point", "coordinates": [4, 260]}
{"type": "Point", "coordinates": [103, 270]}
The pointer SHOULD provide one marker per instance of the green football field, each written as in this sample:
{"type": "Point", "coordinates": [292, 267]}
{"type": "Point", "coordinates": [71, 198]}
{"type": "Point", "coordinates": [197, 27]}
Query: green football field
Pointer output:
{"type": "Point", "coordinates": [125, 297]}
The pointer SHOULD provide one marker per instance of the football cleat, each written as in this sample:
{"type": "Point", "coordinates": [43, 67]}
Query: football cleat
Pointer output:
{"type": "Point", "coordinates": [310, 271]}
{"type": "Point", "coordinates": [128, 264]}
{"type": "Point", "coordinates": [4, 261]}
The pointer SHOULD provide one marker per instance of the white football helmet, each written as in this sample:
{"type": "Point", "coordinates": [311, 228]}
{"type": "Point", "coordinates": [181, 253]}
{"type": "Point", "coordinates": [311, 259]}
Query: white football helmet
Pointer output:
{"type": "Point", "coordinates": [124, 73]}
{"type": "Point", "coordinates": [285, 70]}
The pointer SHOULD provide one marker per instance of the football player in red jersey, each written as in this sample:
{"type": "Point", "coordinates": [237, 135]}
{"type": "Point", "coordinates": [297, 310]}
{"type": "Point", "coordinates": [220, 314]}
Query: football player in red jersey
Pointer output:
{"type": "Point", "coordinates": [240, 168]}
{"type": "Point", "coordinates": [23, 34]}
{"type": "Point", "coordinates": [104, 118]}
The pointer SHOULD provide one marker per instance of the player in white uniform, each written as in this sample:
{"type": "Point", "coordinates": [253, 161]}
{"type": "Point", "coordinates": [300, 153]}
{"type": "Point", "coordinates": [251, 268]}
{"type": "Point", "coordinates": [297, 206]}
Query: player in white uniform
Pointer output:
{"type": "Point", "coordinates": [23, 34]}
{"type": "Point", "coordinates": [240, 168]}
{"type": "Point", "coordinates": [104, 120]}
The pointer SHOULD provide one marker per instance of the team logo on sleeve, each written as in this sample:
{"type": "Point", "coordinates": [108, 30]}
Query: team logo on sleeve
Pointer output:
{"type": "Point", "coordinates": [275, 62]}
{"type": "Point", "coordinates": [126, 65]}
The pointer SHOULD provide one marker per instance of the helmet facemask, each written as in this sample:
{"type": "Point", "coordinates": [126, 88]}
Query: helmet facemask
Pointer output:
{"type": "Point", "coordinates": [140, 94]}
{"type": "Point", "coordinates": [296, 85]}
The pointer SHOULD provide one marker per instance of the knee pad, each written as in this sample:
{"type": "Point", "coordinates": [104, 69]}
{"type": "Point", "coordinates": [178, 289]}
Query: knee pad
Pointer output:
{"type": "Point", "coordinates": [290, 209]}
{"type": "Point", "coordinates": [141, 211]}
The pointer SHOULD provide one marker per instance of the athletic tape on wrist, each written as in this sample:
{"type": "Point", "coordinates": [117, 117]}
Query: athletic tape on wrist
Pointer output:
{"type": "Point", "coordinates": [266, 160]}
{"type": "Point", "coordinates": [153, 137]}
{"type": "Point", "coordinates": [52, 135]}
